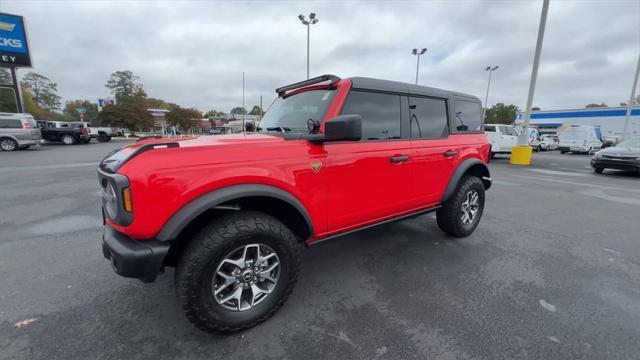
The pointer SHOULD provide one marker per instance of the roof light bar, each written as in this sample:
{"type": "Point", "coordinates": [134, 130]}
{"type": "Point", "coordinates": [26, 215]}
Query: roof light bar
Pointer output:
{"type": "Point", "coordinates": [301, 84]}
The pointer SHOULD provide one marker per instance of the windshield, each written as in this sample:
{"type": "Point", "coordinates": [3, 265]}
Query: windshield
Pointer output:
{"type": "Point", "coordinates": [291, 113]}
{"type": "Point", "coordinates": [631, 143]}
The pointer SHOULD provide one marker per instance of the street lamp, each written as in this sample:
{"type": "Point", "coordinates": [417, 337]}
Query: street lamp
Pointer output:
{"type": "Point", "coordinates": [486, 97]}
{"type": "Point", "coordinates": [420, 52]}
{"type": "Point", "coordinates": [312, 20]}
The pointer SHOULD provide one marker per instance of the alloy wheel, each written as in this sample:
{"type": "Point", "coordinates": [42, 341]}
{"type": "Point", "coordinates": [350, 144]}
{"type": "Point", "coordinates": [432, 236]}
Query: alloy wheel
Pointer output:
{"type": "Point", "coordinates": [7, 145]}
{"type": "Point", "coordinates": [245, 277]}
{"type": "Point", "coordinates": [470, 206]}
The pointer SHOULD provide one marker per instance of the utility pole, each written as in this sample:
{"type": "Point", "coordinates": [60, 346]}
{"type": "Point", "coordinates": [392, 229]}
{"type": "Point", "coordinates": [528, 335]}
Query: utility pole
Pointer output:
{"type": "Point", "coordinates": [521, 153]}
{"type": "Point", "coordinates": [261, 111]}
{"type": "Point", "coordinates": [419, 53]}
{"type": "Point", "coordinates": [312, 20]}
{"type": "Point", "coordinates": [631, 100]}
{"type": "Point", "coordinates": [486, 97]}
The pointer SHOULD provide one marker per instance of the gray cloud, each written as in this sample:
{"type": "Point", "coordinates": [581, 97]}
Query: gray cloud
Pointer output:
{"type": "Point", "coordinates": [193, 53]}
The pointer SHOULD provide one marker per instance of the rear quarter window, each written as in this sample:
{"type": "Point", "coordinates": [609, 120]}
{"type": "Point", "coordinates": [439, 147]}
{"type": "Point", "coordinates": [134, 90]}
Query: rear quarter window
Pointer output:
{"type": "Point", "coordinates": [10, 124]}
{"type": "Point", "coordinates": [467, 117]}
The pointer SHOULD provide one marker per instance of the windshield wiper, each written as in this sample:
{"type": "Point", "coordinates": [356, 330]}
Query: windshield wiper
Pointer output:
{"type": "Point", "coordinates": [279, 128]}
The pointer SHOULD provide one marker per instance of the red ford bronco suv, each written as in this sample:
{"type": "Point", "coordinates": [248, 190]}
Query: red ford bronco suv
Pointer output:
{"type": "Point", "coordinates": [331, 156]}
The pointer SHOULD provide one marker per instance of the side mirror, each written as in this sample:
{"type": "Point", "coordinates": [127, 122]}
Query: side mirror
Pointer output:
{"type": "Point", "coordinates": [343, 128]}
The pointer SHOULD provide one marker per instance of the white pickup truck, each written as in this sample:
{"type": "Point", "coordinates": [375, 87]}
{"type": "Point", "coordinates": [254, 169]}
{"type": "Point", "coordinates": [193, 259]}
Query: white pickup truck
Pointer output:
{"type": "Point", "coordinates": [501, 137]}
{"type": "Point", "coordinates": [102, 134]}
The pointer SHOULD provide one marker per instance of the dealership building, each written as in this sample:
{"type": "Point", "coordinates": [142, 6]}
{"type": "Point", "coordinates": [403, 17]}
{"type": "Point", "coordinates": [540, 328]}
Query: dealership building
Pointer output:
{"type": "Point", "coordinates": [610, 120]}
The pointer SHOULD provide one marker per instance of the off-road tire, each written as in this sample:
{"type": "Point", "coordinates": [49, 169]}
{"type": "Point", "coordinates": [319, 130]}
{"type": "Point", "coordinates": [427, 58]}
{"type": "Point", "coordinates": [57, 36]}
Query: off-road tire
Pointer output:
{"type": "Point", "coordinates": [449, 215]}
{"type": "Point", "coordinates": [198, 263]}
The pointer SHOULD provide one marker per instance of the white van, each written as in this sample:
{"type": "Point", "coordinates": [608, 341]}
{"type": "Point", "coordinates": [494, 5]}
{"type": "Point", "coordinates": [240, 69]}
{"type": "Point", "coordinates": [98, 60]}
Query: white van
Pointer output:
{"type": "Point", "coordinates": [501, 137]}
{"type": "Point", "coordinates": [577, 138]}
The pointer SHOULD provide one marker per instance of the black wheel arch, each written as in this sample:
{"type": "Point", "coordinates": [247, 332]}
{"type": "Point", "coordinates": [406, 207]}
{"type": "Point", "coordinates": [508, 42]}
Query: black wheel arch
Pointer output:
{"type": "Point", "coordinates": [471, 166]}
{"type": "Point", "coordinates": [269, 199]}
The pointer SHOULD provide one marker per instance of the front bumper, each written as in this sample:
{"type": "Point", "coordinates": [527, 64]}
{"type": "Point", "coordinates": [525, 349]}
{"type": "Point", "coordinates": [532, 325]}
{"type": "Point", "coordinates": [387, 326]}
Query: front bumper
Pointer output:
{"type": "Point", "coordinates": [131, 258]}
{"type": "Point", "coordinates": [628, 165]}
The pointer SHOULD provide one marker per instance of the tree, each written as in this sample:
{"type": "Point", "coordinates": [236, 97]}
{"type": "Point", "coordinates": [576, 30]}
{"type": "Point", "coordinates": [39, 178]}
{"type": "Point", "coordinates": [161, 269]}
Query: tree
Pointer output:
{"type": "Point", "coordinates": [602, 104]}
{"type": "Point", "coordinates": [256, 110]}
{"type": "Point", "coordinates": [238, 111]}
{"type": "Point", "coordinates": [124, 83]}
{"type": "Point", "coordinates": [70, 112]}
{"type": "Point", "coordinates": [129, 113]}
{"type": "Point", "coordinates": [43, 90]}
{"type": "Point", "coordinates": [501, 114]}
{"type": "Point", "coordinates": [183, 118]}
{"type": "Point", "coordinates": [214, 113]}
{"type": "Point", "coordinates": [635, 102]}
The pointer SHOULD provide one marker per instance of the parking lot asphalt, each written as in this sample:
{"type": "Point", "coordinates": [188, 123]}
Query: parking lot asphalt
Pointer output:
{"type": "Point", "coordinates": [552, 272]}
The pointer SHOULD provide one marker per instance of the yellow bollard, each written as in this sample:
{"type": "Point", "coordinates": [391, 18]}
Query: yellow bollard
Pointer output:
{"type": "Point", "coordinates": [521, 155]}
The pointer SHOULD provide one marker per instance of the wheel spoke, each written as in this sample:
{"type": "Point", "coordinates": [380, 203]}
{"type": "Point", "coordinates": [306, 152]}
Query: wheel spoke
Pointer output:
{"type": "Point", "coordinates": [237, 263]}
{"type": "Point", "coordinates": [235, 294]}
{"type": "Point", "coordinates": [255, 292]}
{"type": "Point", "coordinates": [245, 252]}
{"type": "Point", "coordinates": [227, 280]}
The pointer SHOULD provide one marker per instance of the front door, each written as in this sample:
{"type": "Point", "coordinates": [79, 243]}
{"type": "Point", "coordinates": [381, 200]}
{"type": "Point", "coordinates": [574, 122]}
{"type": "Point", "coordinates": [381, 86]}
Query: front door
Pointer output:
{"type": "Point", "coordinates": [369, 180]}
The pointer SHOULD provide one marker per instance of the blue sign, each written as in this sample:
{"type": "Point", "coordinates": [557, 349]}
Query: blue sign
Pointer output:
{"type": "Point", "coordinates": [105, 101]}
{"type": "Point", "coordinates": [14, 47]}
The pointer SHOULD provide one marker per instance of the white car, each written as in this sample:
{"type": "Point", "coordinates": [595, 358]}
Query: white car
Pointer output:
{"type": "Point", "coordinates": [579, 139]}
{"type": "Point", "coordinates": [548, 143]}
{"type": "Point", "coordinates": [501, 137]}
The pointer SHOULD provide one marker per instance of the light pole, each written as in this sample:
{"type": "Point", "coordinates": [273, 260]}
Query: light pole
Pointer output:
{"type": "Point", "coordinates": [486, 97]}
{"type": "Point", "coordinates": [416, 52]}
{"type": "Point", "coordinates": [632, 98]}
{"type": "Point", "coordinates": [312, 20]}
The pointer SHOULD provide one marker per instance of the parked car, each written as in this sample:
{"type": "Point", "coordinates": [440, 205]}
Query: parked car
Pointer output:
{"type": "Point", "coordinates": [548, 143]}
{"type": "Point", "coordinates": [579, 139]}
{"type": "Point", "coordinates": [18, 131]}
{"type": "Point", "coordinates": [60, 131]}
{"type": "Point", "coordinates": [215, 132]}
{"type": "Point", "coordinates": [501, 137]}
{"type": "Point", "coordinates": [101, 134]}
{"type": "Point", "coordinates": [331, 156]}
{"type": "Point", "coordinates": [623, 156]}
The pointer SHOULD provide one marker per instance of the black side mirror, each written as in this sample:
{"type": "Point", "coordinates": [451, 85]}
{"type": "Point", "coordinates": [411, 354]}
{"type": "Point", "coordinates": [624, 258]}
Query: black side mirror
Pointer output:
{"type": "Point", "coordinates": [343, 128]}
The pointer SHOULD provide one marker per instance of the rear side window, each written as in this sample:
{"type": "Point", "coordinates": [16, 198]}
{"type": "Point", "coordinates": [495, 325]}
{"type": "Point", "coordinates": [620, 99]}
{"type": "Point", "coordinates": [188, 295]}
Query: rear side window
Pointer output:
{"type": "Point", "coordinates": [490, 128]}
{"type": "Point", "coordinates": [380, 114]}
{"type": "Point", "coordinates": [10, 124]}
{"type": "Point", "coordinates": [468, 116]}
{"type": "Point", "coordinates": [504, 130]}
{"type": "Point", "coordinates": [428, 118]}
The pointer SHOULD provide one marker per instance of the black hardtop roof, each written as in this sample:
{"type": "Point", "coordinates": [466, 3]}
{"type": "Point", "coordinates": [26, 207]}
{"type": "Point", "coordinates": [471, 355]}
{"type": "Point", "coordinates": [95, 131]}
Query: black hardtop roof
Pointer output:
{"type": "Point", "coordinates": [404, 88]}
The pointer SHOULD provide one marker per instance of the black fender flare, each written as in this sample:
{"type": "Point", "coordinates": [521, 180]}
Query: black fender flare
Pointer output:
{"type": "Point", "coordinates": [178, 221]}
{"type": "Point", "coordinates": [480, 169]}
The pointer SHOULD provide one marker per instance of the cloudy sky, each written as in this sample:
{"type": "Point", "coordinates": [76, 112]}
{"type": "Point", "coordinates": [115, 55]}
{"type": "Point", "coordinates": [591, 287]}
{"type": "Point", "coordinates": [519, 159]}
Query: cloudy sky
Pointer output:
{"type": "Point", "coordinates": [194, 53]}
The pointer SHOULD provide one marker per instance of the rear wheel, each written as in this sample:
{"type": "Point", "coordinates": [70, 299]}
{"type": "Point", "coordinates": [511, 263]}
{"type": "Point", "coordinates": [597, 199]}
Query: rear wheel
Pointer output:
{"type": "Point", "coordinates": [237, 271]}
{"type": "Point", "coordinates": [461, 213]}
{"type": "Point", "coordinates": [8, 144]}
{"type": "Point", "coordinates": [68, 139]}
{"type": "Point", "coordinates": [102, 137]}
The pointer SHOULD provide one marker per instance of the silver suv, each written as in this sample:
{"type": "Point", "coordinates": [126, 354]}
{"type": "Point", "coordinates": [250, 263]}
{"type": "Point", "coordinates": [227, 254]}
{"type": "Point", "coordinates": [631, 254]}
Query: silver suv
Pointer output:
{"type": "Point", "coordinates": [18, 131]}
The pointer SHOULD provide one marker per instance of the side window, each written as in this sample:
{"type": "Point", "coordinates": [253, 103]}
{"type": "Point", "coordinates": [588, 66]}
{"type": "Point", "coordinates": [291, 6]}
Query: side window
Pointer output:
{"type": "Point", "coordinates": [490, 128]}
{"type": "Point", "coordinates": [428, 118]}
{"type": "Point", "coordinates": [504, 130]}
{"type": "Point", "coordinates": [10, 124]}
{"type": "Point", "coordinates": [512, 131]}
{"type": "Point", "coordinates": [380, 114]}
{"type": "Point", "coordinates": [468, 116]}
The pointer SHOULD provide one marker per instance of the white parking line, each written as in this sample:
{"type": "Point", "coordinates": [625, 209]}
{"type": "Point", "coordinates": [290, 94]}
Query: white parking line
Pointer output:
{"type": "Point", "coordinates": [556, 172]}
{"type": "Point", "coordinates": [576, 184]}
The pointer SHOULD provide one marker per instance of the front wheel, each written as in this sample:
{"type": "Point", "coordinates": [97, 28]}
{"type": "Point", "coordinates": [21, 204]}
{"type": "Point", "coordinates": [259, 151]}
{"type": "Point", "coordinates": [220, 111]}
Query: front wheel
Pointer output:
{"type": "Point", "coordinates": [598, 170]}
{"type": "Point", "coordinates": [461, 213]}
{"type": "Point", "coordinates": [8, 144]}
{"type": "Point", "coordinates": [237, 271]}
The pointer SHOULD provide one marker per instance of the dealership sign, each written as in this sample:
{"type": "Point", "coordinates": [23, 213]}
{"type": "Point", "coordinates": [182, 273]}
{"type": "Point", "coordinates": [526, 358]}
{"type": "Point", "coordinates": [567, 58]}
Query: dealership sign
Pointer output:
{"type": "Point", "coordinates": [14, 47]}
{"type": "Point", "coordinates": [105, 101]}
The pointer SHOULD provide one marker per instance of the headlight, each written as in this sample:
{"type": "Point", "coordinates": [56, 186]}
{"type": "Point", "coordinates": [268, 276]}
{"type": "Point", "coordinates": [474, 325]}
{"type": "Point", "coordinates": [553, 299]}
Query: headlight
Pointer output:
{"type": "Point", "coordinates": [111, 203]}
{"type": "Point", "coordinates": [597, 155]}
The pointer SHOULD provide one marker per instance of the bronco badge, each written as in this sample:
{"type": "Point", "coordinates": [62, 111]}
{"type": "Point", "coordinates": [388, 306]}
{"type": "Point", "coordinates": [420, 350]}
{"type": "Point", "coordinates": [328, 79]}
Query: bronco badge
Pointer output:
{"type": "Point", "coordinates": [316, 165]}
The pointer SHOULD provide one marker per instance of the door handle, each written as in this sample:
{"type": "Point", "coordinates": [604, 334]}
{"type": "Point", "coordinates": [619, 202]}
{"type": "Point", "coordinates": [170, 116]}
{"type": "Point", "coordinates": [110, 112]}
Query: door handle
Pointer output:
{"type": "Point", "coordinates": [398, 159]}
{"type": "Point", "coordinates": [450, 153]}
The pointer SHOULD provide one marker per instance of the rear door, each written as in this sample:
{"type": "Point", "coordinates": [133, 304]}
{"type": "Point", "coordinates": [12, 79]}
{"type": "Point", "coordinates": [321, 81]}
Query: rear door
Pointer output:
{"type": "Point", "coordinates": [433, 155]}
{"type": "Point", "coordinates": [32, 129]}
{"type": "Point", "coordinates": [369, 180]}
